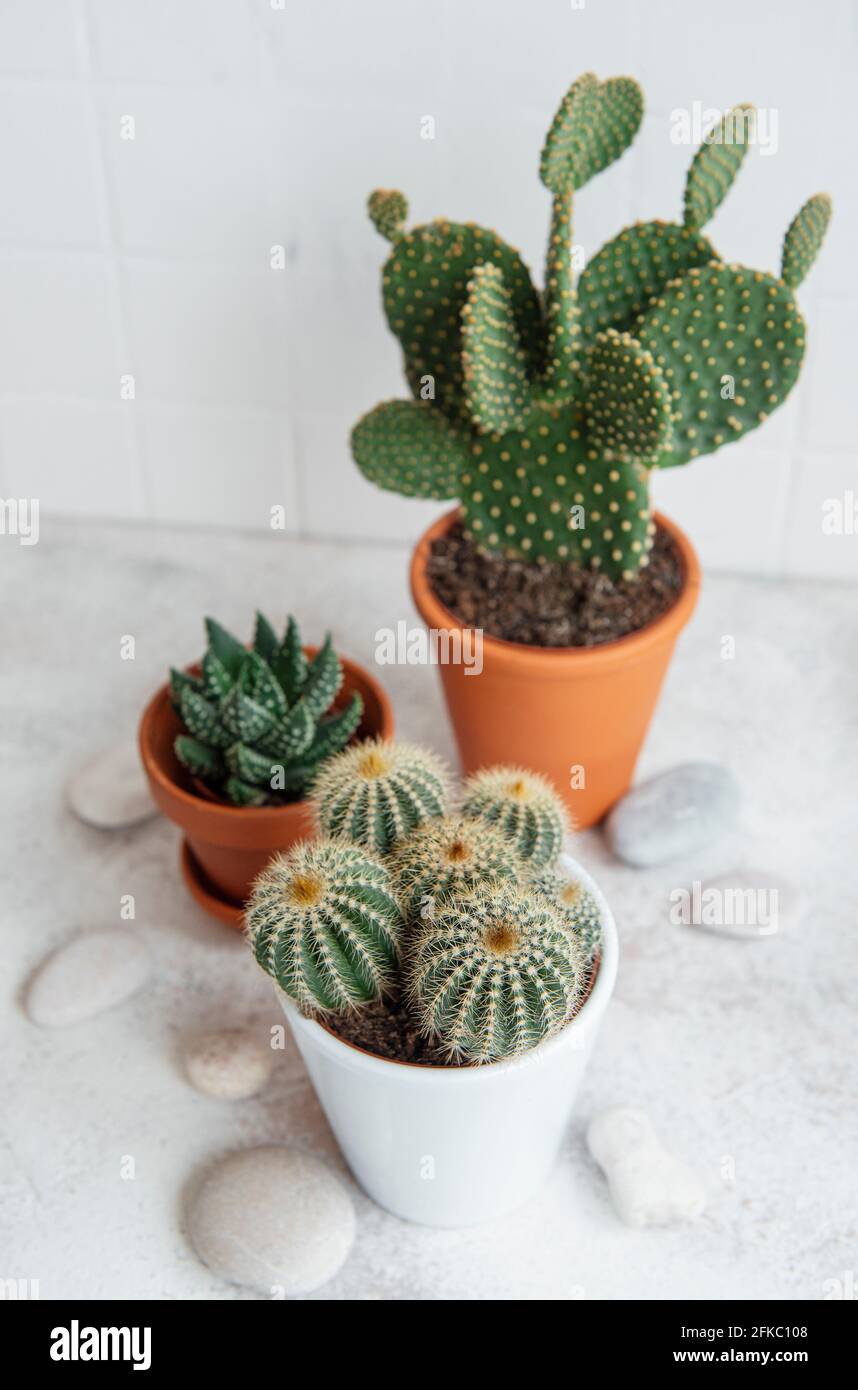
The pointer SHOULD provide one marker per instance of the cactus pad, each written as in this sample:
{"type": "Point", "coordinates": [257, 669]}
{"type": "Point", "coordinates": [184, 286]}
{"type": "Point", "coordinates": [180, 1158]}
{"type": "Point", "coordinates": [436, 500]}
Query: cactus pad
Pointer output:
{"type": "Point", "coordinates": [493, 361]}
{"type": "Point", "coordinates": [425, 288]}
{"type": "Point", "coordinates": [628, 404]}
{"type": "Point", "coordinates": [388, 209]}
{"type": "Point", "coordinates": [594, 124]}
{"type": "Point", "coordinates": [804, 237]}
{"type": "Point", "coordinates": [548, 492]}
{"type": "Point", "coordinates": [408, 448]}
{"type": "Point", "coordinates": [632, 270]}
{"type": "Point", "coordinates": [716, 164]}
{"type": "Point", "coordinates": [729, 343]}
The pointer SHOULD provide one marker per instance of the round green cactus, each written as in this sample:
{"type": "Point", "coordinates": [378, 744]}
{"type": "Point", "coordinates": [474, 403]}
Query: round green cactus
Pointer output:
{"type": "Point", "coordinates": [323, 921]}
{"type": "Point", "coordinates": [576, 905]}
{"type": "Point", "coordinates": [445, 856]}
{"type": "Point", "coordinates": [523, 806]}
{"type": "Point", "coordinates": [493, 972]}
{"type": "Point", "coordinates": [377, 792]}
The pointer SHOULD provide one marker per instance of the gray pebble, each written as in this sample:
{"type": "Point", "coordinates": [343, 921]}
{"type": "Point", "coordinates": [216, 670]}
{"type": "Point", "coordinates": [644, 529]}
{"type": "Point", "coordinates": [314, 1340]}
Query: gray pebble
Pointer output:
{"type": "Point", "coordinates": [672, 814]}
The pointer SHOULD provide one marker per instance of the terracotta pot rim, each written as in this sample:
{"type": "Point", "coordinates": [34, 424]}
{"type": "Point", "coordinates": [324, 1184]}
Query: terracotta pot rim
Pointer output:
{"type": "Point", "coordinates": [562, 660]}
{"type": "Point", "coordinates": [221, 810]}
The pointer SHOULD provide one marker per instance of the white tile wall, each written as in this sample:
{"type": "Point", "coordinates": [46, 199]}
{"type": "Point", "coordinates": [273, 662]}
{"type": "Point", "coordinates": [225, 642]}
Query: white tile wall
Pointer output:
{"type": "Point", "coordinates": [260, 124]}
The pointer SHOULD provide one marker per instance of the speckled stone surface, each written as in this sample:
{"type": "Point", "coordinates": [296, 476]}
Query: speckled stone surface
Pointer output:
{"type": "Point", "coordinates": [744, 1059]}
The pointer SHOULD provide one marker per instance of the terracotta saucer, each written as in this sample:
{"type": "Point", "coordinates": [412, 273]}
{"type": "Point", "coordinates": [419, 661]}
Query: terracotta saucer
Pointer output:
{"type": "Point", "coordinates": [205, 893]}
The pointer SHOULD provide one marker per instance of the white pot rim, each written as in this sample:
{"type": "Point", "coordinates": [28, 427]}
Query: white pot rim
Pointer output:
{"type": "Point", "coordinates": [419, 1074]}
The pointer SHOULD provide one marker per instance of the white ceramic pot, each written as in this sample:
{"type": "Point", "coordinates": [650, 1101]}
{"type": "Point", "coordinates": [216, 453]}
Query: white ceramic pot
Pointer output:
{"type": "Point", "coordinates": [453, 1146]}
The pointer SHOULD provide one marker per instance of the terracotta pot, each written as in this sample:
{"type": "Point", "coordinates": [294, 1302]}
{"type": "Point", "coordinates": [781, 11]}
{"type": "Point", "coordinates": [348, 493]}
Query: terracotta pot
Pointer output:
{"type": "Point", "coordinates": [229, 845]}
{"type": "Point", "coordinates": [555, 710]}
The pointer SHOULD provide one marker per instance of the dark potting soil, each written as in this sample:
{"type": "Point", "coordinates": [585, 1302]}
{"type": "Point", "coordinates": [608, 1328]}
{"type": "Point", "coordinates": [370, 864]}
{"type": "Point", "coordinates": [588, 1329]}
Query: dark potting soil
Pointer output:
{"type": "Point", "coordinates": [544, 604]}
{"type": "Point", "coordinates": [388, 1029]}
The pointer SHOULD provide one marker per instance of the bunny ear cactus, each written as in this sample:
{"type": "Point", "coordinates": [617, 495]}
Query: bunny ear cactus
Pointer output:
{"type": "Point", "coordinates": [324, 923]}
{"type": "Point", "coordinates": [493, 972]}
{"type": "Point", "coordinates": [258, 722]}
{"type": "Point", "coordinates": [804, 237]}
{"type": "Point", "coordinates": [545, 414]}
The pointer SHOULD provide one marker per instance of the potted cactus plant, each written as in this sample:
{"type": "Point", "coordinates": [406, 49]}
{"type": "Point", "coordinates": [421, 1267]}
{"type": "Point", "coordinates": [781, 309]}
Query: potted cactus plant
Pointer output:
{"type": "Point", "coordinates": [231, 746]}
{"type": "Point", "coordinates": [444, 973]}
{"type": "Point", "coordinates": [545, 416]}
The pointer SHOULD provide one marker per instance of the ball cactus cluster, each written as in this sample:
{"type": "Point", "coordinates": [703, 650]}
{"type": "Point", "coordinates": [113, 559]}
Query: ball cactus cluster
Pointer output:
{"type": "Point", "coordinates": [544, 414]}
{"type": "Point", "coordinates": [461, 909]}
{"type": "Point", "coordinates": [259, 722]}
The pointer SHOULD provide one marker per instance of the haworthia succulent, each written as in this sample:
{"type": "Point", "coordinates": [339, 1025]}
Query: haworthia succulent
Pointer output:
{"type": "Point", "coordinates": [258, 722]}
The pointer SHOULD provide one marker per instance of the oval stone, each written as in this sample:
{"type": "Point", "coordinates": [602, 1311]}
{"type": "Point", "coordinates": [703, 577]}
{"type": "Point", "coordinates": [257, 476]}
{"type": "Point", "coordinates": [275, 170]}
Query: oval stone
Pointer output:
{"type": "Point", "coordinates": [275, 1219]}
{"type": "Point", "coordinates": [673, 813]}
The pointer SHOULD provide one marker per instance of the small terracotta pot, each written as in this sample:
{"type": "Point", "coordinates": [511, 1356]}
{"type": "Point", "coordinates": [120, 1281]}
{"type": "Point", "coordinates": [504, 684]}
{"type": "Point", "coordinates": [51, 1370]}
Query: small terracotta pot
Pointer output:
{"type": "Point", "coordinates": [555, 710]}
{"type": "Point", "coordinates": [229, 845]}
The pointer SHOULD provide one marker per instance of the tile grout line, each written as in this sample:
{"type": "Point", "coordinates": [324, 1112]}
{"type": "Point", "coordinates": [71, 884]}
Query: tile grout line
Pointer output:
{"type": "Point", "coordinates": [109, 221]}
